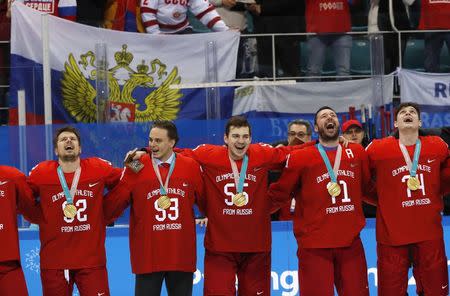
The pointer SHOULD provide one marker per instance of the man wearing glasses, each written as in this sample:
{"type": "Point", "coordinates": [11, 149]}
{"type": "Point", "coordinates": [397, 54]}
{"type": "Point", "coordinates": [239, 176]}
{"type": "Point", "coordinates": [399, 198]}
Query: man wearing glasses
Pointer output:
{"type": "Point", "coordinates": [299, 131]}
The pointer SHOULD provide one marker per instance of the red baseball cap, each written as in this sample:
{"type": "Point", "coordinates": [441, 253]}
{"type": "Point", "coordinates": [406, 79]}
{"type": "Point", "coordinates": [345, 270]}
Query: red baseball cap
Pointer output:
{"type": "Point", "coordinates": [349, 123]}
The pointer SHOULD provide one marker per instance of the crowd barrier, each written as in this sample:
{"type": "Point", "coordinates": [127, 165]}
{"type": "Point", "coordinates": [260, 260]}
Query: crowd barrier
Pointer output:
{"type": "Point", "coordinates": [284, 260]}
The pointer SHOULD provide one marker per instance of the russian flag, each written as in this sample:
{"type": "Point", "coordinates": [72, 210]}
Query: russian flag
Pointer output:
{"type": "Point", "coordinates": [140, 69]}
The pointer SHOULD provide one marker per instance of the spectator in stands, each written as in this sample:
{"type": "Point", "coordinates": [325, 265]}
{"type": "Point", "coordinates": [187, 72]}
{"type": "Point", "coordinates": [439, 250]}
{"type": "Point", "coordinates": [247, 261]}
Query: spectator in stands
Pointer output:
{"type": "Point", "coordinates": [279, 16]}
{"type": "Point", "coordinates": [328, 218]}
{"type": "Point", "coordinates": [299, 131]}
{"type": "Point", "coordinates": [407, 168]}
{"type": "Point", "coordinates": [353, 131]}
{"type": "Point", "coordinates": [234, 15]}
{"type": "Point", "coordinates": [434, 15]}
{"type": "Point", "coordinates": [5, 35]}
{"type": "Point", "coordinates": [170, 17]}
{"type": "Point", "coordinates": [328, 19]}
{"type": "Point", "coordinates": [91, 12]}
{"type": "Point", "coordinates": [123, 15]}
{"type": "Point", "coordinates": [161, 195]}
{"type": "Point", "coordinates": [379, 20]}
{"type": "Point", "coordinates": [66, 9]}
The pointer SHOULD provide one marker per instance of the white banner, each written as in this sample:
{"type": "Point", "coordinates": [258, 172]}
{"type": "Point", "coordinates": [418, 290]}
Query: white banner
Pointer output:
{"type": "Point", "coordinates": [308, 97]}
{"type": "Point", "coordinates": [432, 89]}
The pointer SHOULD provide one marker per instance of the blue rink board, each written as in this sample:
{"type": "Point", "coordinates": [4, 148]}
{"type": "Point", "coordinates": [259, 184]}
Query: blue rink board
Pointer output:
{"type": "Point", "coordinates": [284, 260]}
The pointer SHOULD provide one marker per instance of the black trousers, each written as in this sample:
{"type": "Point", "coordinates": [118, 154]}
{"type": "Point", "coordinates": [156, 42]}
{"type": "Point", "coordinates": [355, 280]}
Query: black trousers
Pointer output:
{"type": "Point", "coordinates": [178, 283]}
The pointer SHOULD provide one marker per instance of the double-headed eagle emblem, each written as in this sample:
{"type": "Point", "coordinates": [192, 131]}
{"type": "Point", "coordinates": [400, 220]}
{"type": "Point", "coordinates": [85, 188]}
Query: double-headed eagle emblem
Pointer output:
{"type": "Point", "coordinates": [151, 102]}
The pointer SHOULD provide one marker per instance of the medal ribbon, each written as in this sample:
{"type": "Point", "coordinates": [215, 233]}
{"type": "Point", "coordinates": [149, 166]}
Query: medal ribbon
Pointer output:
{"type": "Point", "coordinates": [164, 188]}
{"type": "Point", "coordinates": [239, 178]}
{"type": "Point", "coordinates": [412, 166]}
{"type": "Point", "coordinates": [333, 172]}
{"type": "Point", "coordinates": [73, 189]}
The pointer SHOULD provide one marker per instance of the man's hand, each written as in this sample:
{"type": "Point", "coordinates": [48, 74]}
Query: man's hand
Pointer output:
{"type": "Point", "coordinates": [133, 155]}
{"type": "Point", "coordinates": [202, 222]}
{"type": "Point", "coordinates": [130, 155]}
{"type": "Point", "coordinates": [132, 160]}
{"type": "Point", "coordinates": [254, 8]}
{"type": "Point", "coordinates": [233, 29]}
{"type": "Point", "coordinates": [8, 11]}
{"type": "Point", "coordinates": [296, 141]}
{"type": "Point", "coordinates": [229, 3]}
{"type": "Point", "coordinates": [343, 141]}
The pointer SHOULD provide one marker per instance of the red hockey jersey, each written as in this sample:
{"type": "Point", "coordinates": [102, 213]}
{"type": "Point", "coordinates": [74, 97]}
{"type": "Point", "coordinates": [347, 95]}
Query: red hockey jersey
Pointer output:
{"type": "Point", "coordinates": [231, 228]}
{"type": "Point", "coordinates": [405, 216]}
{"type": "Point", "coordinates": [321, 221]}
{"type": "Point", "coordinates": [15, 195]}
{"type": "Point", "coordinates": [160, 240]}
{"type": "Point", "coordinates": [79, 242]}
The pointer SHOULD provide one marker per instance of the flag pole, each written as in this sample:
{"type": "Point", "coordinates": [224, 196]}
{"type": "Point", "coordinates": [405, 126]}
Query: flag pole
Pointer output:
{"type": "Point", "coordinates": [47, 86]}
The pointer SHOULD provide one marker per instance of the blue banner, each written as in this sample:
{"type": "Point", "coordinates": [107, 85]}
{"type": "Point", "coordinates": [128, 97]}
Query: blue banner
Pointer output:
{"type": "Point", "coordinates": [284, 260]}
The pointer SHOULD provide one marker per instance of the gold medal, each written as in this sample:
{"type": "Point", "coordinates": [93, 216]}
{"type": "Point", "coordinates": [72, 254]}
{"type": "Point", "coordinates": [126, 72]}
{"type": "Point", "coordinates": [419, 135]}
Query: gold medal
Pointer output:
{"type": "Point", "coordinates": [164, 202]}
{"type": "Point", "coordinates": [70, 211]}
{"type": "Point", "coordinates": [239, 199]}
{"type": "Point", "coordinates": [334, 189]}
{"type": "Point", "coordinates": [413, 183]}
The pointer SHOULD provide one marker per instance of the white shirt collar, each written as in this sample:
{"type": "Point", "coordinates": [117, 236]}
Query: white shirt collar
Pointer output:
{"type": "Point", "coordinates": [169, 160]}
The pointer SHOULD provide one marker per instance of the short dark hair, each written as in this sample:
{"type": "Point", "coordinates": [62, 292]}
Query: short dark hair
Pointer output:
{"type": "Point", "coordinates": [169, 126]}
{"type": "Point", "coordinates": [404, 105]}
{"type": "Point", "coordinates": [301, 122]}
{"type": "Point", "coordinates": [61, 130]}
{"type": "Point", "coordinates": [237, 121]}
{"type": "Point", "coordinates": [322, 108]}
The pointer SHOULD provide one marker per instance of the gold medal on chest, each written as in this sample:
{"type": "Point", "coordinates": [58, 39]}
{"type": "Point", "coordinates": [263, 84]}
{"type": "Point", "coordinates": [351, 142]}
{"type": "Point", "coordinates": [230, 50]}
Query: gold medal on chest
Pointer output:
{"type": "Point", "coordinates": [239, 199]}
{"type": "Point", "coordinates": [70, 211]}
{"type": "Point", "coordinates": [413, 183]}
{"type": "Point", "coordinates": [164, 202]}
{"type": "Point", "coordinates": [334, 189]}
